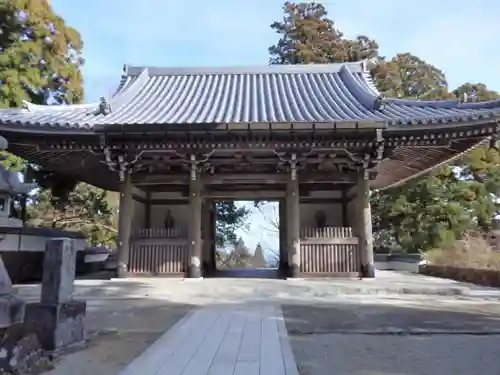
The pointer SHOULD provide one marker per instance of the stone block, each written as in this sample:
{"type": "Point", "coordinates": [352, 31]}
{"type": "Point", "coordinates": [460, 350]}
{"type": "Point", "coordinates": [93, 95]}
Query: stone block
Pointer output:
{"type": "Point", "coordinates": [20, 351]}
{"type": "Point", "coordinates": [59, 268]}
{"type": "Point", "coordinates": [57, 325]}
{"type": "Point", "coordinates": [12, 310]}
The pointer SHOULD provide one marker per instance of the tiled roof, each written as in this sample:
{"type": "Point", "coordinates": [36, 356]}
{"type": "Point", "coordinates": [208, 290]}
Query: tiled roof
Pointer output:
{"type": "Point", "coordinates": [324, 93]}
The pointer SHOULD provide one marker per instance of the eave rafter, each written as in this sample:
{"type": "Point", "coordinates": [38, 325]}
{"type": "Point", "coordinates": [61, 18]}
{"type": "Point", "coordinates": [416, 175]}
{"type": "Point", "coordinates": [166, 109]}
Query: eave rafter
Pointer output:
{"type": "Point", "coordinates": [395, 154]}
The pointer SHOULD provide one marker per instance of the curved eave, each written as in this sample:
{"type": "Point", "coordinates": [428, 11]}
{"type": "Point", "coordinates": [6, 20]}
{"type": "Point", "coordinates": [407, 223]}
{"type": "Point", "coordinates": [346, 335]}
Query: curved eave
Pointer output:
{"type": "Point", "coordinates": [82, 165]}
{"type": "Point", "coordinates": [407, 163]}
{"type": "Point", "coordinates": [165, 98]}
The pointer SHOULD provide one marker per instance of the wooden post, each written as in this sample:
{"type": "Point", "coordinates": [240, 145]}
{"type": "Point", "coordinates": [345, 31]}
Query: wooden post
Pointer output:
{"type": "Point", "coordinates": [293, 221]}
{"type": "Point", "coordinates": [213, 228]}
{"type": "Point", "coordinates": [195, 243]}
{"type": "Point", "coordinates": [125, 213]}
{"type": "Point", "coordinates": [365, 231]}
{"type": "Point", "coordinates": [147, 211]}
{"type": "Point", "coordinates": [283, 254]}
{"type": "Point", "coordinates": [207, 237]}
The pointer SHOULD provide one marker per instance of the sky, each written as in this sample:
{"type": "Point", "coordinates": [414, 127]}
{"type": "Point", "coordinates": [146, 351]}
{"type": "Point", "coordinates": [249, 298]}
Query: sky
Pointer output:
{"type": "Point", "coordinates": [460, 37]}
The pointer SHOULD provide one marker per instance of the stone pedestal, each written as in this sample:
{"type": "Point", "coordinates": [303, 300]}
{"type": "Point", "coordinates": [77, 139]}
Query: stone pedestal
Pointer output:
{"type": "Point", "coordinates": [58, 325]}
{"type": "Point", "coordinates": [11, 308]}
{"type": "Point", "coordinates": [58, 319]}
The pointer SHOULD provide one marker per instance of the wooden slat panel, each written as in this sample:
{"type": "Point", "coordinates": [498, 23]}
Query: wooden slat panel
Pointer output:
{"type": "Point", "coordinates": [329, 250]}
{"type": "Point", "coordinates": [158, 251]}
{"type": "Point", "coordinates": [158, 258]}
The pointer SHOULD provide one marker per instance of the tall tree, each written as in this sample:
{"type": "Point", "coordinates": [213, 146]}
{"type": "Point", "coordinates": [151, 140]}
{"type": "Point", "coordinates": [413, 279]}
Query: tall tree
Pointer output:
{"type": "Point", "coordinates": [433, 209]}
{"type": "Point", "coordinates": [229, 218]}
{"type": "Point", "coordinates": [307, 36]}
{"type": "Point", "coordinates": [41, 55]}
{"type": "Point", "coordinates": [40, 62]}
{"type": "Point", "coordinates": [407, 76]}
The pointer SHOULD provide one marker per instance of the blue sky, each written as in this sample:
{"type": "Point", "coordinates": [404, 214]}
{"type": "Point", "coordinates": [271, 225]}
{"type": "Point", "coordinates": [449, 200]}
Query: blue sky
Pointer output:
{"type": "Point", "coordinates": [460, 37]}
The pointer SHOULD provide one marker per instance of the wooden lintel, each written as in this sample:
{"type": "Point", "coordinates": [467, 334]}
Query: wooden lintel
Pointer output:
{"type": "Point", "coordinates": [262, 178]}
{"type": "Point", "coordinates": [247, 195]}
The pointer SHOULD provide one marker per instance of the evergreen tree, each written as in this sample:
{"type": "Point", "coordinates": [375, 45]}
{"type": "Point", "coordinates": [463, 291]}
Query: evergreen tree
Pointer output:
{"type": "Point", "coordinates": [258, 259]}
{"type": "Point", "coordinates": [40, 62]}
{"type": "Point", "coordinates": [428, 211]}
{"type": "Point", "coordinates": [307, 36]}
{"type": "Point", "coordinates": [41, 55]}
{"type": "Point", "coordinates": [87, 209]}
{"type": "Point", "coordinates": [229, 218]}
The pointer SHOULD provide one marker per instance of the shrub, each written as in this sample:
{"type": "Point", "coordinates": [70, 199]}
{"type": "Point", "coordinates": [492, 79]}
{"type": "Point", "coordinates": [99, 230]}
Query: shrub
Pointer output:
{"type": "Point", "coordinates": [473, 251]}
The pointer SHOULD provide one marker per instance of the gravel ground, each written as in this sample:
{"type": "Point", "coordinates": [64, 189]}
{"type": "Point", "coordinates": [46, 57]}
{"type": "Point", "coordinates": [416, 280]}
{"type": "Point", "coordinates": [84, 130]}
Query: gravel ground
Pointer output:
{"type": "Point", "coordinates": [396, 338]}
{"type": "Point", "coordinates": [401, 324]}
{"type": "Point", "coordinates": [337, 354]}
{"type": "Point", "coordinates": [118, 333]}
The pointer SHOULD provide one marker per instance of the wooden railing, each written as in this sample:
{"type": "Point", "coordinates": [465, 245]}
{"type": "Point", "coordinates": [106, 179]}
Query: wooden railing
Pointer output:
{"type": "Point", "coordinates": [329, 250]}
{"type": "Point", "coordinates": [158, 251]}
{"type": "Point", "coordinates": [159, 233]}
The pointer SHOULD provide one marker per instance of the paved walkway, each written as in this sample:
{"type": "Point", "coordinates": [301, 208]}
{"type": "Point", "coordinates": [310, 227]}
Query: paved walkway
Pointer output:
{"type": "Point", "coordinates": [239, 340]}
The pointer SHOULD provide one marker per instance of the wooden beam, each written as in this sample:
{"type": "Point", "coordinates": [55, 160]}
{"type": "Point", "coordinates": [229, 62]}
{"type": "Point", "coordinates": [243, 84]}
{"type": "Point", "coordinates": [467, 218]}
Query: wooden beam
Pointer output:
{"type": "Point", "coordinates": [184, 201]}
{"type": "Point", "coordinates": [244, 178]}
{"type": "Point", "coordinates": [247, 195]}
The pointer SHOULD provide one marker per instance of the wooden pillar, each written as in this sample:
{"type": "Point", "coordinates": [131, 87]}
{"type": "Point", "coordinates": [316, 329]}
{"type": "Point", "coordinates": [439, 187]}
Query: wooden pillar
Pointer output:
{"type": "Point", "coordinates": [147, 211]}
{"type": "Point", "coordinates": [207, 237]}
{"type": "Point", "coordinates": [125, 214]}
{"type": "Point", "coordinates": [364, 224]}
{"type": "Point", "coordinates": [293, 221]}
{"type": "Point", "coordinates": [283, 254]}
{"type": "Point", "coordinates": [345, 214]}
{"type": "Point", "coordinates": [213, 228]}
{"type": "Point", "coordinates": [195, 242]}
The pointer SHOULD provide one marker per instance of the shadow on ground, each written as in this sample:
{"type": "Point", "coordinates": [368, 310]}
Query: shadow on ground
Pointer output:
{"type": "Point", "coordinates": [373, 318]}
{"type": "Point", "coordinates": [353, 334]}
{"type": "Point", "coordinates": [380, 339]}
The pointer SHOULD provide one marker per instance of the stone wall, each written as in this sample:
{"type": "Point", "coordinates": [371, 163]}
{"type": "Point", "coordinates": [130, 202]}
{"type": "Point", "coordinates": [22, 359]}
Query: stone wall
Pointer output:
{"type": "Point", "coordinates": [398, 262]}
{"type": "Point", "coordinates": [485, 277]}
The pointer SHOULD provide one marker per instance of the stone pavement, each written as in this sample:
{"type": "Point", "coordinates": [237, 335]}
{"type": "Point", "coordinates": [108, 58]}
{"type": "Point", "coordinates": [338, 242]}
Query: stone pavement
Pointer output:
{"type": "Point", "coordinates": [418, 315]}
{"type": "Point", "coordinates": [221, 341]}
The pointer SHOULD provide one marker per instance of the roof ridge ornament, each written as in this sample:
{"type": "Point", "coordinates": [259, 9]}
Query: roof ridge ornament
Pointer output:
{"type": "Point", "coordinates": [28, 106]}
{"type": "Point", "coordinates": [380, 102]}
{"type": "Point", "coordinates": [104, 107]}
{"type": "Point", "coordinates": [364, 65]}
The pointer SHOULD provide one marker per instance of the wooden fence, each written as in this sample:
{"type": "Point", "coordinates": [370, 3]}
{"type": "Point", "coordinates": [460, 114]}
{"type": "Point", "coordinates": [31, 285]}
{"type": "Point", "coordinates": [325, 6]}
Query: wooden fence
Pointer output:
{"type": "Point", "coordinates": [329, 251]}
{"type": "Point", "coordinates": [156, 251]}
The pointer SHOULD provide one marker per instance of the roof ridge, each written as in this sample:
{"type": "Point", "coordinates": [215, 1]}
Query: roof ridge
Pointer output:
{"type": "Point", "coordinates": [32, 107]}
{"type": "Point", "coordinates": [360, 88]}
{"type": "Point", "coordinates": [127, 90]}
{"type": "Point", "coordinates": [358, 67]}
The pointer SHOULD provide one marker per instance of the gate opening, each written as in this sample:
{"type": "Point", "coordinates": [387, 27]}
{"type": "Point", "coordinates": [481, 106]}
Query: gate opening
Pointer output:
{"type": "Point", "coordinates": [248, 239]}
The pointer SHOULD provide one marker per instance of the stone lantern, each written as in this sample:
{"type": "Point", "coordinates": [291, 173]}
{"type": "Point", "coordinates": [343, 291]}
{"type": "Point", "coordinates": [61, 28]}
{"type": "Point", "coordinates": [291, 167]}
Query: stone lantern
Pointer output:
{"type": "Point", "coordinates": [10, 185]}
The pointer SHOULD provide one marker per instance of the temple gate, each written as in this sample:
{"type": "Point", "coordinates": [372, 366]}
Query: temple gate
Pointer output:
{"type": "Point", "coordinates": [315, 137]}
